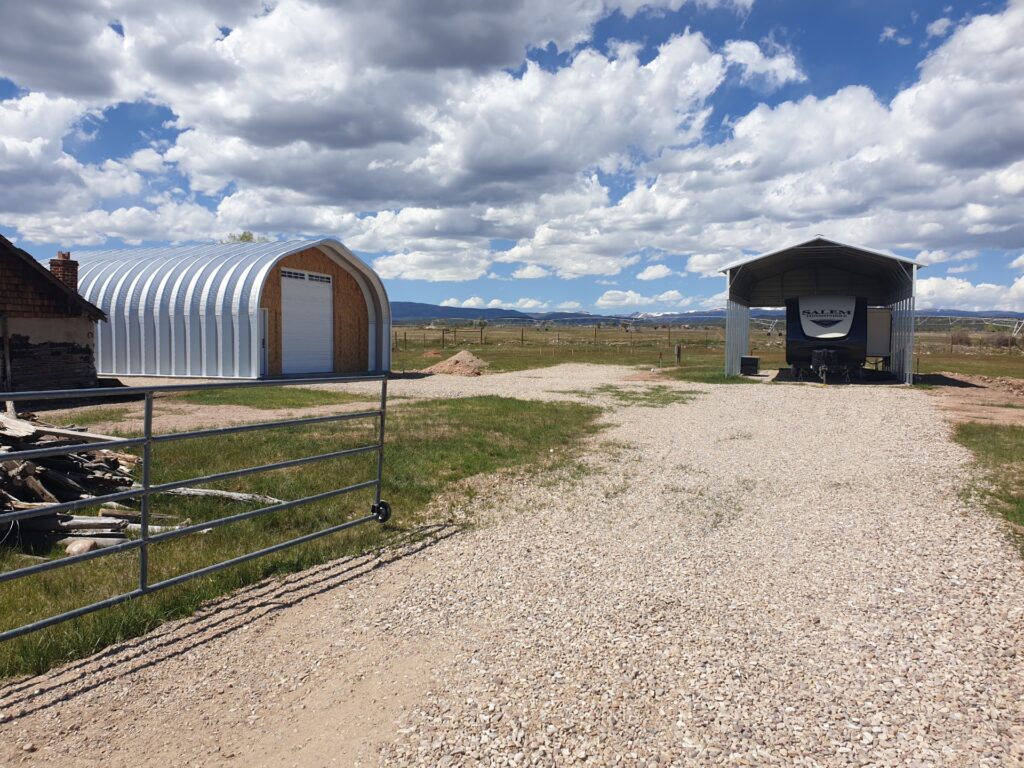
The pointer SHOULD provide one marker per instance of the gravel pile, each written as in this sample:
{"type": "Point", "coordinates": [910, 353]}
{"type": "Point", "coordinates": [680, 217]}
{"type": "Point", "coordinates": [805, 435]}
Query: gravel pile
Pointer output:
{"type": "Point", "coordinates": [463, 363]}
{"type": "Point", "coordinates": [767, 575]}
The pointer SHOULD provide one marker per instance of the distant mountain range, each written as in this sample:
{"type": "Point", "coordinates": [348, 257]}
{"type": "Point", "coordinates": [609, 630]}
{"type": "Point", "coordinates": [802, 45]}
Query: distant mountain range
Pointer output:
{"type": "Point", "coordinates": [412, 312]}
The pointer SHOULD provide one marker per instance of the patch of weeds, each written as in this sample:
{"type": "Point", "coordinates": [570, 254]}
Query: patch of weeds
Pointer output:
{"type": "Point", "coordinates": [704, 375]}
{"type": "Point", "coordinates": [999, 450]}
{"type": "Point", "coordinates": [657, 396]}
{"type": "Point", "coordinates": [102, 414]}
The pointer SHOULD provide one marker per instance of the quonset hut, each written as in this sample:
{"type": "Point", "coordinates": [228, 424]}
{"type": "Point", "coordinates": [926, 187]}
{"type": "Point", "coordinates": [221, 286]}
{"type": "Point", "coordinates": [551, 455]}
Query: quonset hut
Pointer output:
{"type": "Point", "coordinates": [881, 285]}
{"type": "Point", "coordinates": [237, 310]}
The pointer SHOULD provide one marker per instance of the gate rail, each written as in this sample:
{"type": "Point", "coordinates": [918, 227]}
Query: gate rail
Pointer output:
{"type": "Point", "coordinates": [379, 511]}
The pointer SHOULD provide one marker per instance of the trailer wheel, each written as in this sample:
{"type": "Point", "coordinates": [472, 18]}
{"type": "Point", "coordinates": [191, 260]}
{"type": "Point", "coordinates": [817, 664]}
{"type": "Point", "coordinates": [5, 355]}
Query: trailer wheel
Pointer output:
{"type": "Point", "coordinates": [382, 511]}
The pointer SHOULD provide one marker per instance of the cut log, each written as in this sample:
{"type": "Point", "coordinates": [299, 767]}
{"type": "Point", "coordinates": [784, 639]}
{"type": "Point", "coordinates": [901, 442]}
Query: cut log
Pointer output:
{"type": "Point", "coordinates": [53, 477]}
{"type": "Point", "coordinates": [89, 522]}
{"type": "Point", "coordinates": [137, 528]}
{"type": "Point", "coordinates": [41, 491]}
{"type": "Point", "coordinates": [101, 542]}
{"type": "Point", "coordinates": [15, 427]}
{"type": "Point", "coordinates": [84, 437]}
{"type": "Point", "coordinates": [233, 495]}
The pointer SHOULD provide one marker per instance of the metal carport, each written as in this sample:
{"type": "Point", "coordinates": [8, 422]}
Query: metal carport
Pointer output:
{"type": "Point", "coordinates": [822, 267]}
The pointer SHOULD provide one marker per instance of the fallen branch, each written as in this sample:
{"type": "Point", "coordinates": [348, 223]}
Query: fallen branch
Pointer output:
{"type": "Point", "coordinates": [233, 495]}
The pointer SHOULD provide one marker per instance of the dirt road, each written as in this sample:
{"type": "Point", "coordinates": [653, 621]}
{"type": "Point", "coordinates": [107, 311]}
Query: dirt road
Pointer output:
{"type": "Point", "coordinates": [767, 575]}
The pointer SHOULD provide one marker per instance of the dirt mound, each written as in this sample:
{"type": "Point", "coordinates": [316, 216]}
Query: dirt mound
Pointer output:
{"type": "Point", "coordinates": [464, 363]}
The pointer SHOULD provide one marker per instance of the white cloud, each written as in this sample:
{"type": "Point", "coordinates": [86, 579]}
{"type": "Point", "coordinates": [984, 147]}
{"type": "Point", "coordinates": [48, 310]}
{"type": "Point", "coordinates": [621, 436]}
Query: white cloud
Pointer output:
{"type": "Point", "coordinates": [939, 27]}
{"type": "Point", "coordinates": [568, 306]}
{"type": "Point", "coordinates": [613, 299]}
{"type": "Point", "coordinates": [929, 258]}
{"type": "Point", "coordinates": [311, 116]}
{"type": "Point", "coordinates": [433, 267]}
{"type": "Point", "coordinates": [709, 265]}
{"type": "Point", "coordinates": [890, 33]}
{"type": "Point", "coordinates": [667, 296]}
{"type": "Point", "coordinates": [654, 272]}
{"type": "Point", "coordinates": [451, 303]}
{"type": "Point", "coordinates": [957, 293]}
{"type": "Point", "coordinates": [473, 302]}
{"type": "Point", "coordinates": [1017, 263]}
{"type": "Point", "coordinates": [962, 269]}
{"type": "Point", "coordinates": [530, 272]}
{"type": "Point", "coordinates": [774, 71]}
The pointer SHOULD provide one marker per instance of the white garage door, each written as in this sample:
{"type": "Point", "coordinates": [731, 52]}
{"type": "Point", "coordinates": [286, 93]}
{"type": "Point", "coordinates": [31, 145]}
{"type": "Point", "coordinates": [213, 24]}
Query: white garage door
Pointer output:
{"type": "Point", "coordinates": [307, 322]}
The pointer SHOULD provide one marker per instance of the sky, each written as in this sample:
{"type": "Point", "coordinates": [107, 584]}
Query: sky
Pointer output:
{"type": "Point", "coordinates": [607, 156]}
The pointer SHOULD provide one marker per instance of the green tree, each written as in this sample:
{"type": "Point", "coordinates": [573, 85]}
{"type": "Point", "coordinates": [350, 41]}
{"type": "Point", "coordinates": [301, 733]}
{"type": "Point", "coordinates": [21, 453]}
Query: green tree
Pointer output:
{"type": "Point", "coordinates": [246, 236]}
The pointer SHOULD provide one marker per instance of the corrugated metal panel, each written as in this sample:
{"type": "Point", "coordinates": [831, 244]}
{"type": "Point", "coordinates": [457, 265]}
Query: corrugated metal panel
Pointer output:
{"type": "Point", "coordinates": [194, 310]}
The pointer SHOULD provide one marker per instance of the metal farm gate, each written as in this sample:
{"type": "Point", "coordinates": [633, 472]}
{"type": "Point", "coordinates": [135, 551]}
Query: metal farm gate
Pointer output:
{"type": "Point", "coordinates": [380, 511]}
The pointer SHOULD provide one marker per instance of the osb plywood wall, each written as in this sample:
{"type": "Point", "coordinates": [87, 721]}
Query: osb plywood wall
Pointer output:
{"type": "Point", "coordinates": [351, 321]}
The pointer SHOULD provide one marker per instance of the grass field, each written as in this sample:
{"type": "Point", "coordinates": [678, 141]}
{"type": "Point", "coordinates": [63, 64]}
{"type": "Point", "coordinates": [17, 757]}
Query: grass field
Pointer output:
{"type": "Point", "coordinates": [431, 446]}
{"type": "Point", "coordinates": [510, 348]}
{"type": "Point", "coordinates": [272, 398]}
{"type": "Point", "coordinates": [1000, 452]}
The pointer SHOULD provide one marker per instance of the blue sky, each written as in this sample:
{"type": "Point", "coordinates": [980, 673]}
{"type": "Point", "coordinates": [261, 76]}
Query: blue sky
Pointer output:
{"type": "Point", "coordinates": [608, 157]}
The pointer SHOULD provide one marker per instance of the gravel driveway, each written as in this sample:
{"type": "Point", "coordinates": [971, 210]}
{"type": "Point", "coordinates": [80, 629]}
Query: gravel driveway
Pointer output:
{"type": "Point", "coordinates": [766, 575]}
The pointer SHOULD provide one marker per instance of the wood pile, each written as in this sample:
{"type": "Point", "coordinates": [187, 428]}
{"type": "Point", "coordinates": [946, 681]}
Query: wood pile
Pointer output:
{"type": "Point", "coordinates": [43, 482]}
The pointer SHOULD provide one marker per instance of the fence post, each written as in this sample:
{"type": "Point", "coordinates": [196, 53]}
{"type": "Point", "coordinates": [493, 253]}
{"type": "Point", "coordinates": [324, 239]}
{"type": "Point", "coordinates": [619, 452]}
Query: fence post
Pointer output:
{"type": "Point", "coordinates": [522, 338]}
{"type": "Point", "coordinates": [380, 441]}
{"type": "Point", "coordinates": [147, 461]}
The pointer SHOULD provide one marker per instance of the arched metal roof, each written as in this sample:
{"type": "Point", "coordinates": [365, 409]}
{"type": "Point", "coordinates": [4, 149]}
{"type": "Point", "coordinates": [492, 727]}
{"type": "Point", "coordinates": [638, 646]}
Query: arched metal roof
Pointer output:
{"type": "Point", "coordinates": [194, 310]}
{"type": "Point", "coordinates": [820, 266]}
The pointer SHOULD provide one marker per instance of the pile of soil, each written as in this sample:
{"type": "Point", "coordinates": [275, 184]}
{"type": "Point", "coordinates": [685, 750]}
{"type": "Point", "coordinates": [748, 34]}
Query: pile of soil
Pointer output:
{"type": "Point", "coordinates": [464, 363]}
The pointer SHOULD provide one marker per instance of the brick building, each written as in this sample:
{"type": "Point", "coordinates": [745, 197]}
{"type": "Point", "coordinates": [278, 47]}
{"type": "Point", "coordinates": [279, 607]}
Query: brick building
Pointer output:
{"type": "Point", "coordinates": [48, 330]}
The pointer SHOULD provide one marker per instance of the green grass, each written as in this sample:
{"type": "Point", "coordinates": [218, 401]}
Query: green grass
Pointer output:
{"type": "Point", "coordinates": [431, 447]}
{"type": "Point", "coordinates": [705, 375]}
{"type": "Point", "coordinates": [85, 417]}
{"type": "Point", "coordinates": [647, 397]}
{"type": "Point", "coordinates": [272, 398]}
{"type": "Point", "coordinates": [511, 348]}
{"type": "Point", "coordinates": [999, 449]}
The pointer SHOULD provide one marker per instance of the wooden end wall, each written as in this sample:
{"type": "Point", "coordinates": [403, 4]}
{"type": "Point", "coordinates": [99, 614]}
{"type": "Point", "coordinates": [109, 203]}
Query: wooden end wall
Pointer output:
{"type": "Point", "coordinates": [351, 319]}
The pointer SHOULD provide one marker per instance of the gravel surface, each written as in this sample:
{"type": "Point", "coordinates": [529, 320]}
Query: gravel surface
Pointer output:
{"type": "Point", "coordinates": [767, 575]}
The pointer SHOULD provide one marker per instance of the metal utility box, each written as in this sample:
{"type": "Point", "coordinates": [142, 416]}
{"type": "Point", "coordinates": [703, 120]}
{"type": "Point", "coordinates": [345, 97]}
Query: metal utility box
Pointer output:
{"type": "Point", "coordinates": [879, 332]}
{"type": "Point", "coordinates": [750, 366]}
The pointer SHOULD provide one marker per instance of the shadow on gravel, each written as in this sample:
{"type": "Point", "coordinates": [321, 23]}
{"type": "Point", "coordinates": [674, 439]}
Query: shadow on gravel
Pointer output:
{"type": "Point", "coordinates": [217, 619]}
{"type": "Point", "coordinates": [938, 380]}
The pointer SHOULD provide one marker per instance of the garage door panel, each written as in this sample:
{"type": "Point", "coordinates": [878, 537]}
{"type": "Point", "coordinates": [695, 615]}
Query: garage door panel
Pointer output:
{"type": "Point", "coordinates": [307, 322]}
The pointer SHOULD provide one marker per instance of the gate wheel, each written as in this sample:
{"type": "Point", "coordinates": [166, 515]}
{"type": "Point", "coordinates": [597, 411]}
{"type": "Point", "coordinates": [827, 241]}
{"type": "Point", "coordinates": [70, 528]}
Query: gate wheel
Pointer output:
{"type": "Point", "coordinates": [382, 511]}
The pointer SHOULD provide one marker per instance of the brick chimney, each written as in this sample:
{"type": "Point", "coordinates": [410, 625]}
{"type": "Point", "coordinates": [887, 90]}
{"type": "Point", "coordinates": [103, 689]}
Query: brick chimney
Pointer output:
{"type": "Point", "coordinates": [65, 269]}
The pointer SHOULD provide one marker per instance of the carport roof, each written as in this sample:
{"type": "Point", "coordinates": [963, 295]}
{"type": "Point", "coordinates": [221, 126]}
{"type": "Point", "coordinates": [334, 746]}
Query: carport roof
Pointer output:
{"type": "Point", "coordinates": [820, 267]}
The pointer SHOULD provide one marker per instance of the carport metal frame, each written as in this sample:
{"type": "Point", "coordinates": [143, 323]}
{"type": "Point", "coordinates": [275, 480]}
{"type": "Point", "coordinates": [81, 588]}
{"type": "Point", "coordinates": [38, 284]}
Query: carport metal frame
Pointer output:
{"type": "Point", "coordinates": [900, 300]}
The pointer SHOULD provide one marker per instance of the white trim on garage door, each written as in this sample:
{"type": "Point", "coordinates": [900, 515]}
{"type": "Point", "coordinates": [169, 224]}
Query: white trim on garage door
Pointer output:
{"type": "Point", "coordinates": [307, 322]}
